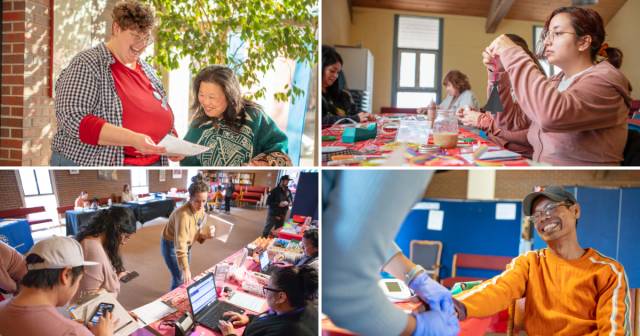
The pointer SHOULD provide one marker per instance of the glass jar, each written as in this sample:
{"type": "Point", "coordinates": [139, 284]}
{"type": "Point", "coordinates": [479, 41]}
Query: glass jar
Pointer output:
{"type": "Point", "coordinates": [445, 129]}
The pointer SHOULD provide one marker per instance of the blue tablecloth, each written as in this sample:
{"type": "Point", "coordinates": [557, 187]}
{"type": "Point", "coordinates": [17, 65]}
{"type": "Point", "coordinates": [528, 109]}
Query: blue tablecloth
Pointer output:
{"type": "Point", "coordinates": [16, 233]}
{"type": "Point", "coordinates": [143, 211]}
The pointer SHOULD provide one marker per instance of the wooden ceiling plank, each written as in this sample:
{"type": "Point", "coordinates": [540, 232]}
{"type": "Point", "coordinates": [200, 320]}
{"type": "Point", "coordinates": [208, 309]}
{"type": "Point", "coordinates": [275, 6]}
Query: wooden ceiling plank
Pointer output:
{"type": "Point", "coordinates": [499, 9]}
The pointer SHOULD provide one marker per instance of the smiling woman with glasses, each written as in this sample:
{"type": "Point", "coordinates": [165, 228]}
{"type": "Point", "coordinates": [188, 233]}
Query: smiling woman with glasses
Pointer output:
{"type": "Point", "coordinates": [579, 116]}
{"type": "Point", "coordinates": [111, 107]}
{"type": "Point", "coordinates": [291, 295]}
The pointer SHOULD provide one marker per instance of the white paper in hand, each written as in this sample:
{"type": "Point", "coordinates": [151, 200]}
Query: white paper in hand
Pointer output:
{"type": "Point", "coordinates": [223, 227]}
{"type": "Point", "coordinates": [179, 147]}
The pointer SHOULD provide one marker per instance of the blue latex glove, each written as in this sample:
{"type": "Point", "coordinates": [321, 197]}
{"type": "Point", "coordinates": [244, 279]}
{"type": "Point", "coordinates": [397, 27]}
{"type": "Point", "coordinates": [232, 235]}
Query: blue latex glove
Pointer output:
{"type": "Point", "coordinates": [437, 296]}
{"type": "Point", "coordinates": [436, 323]}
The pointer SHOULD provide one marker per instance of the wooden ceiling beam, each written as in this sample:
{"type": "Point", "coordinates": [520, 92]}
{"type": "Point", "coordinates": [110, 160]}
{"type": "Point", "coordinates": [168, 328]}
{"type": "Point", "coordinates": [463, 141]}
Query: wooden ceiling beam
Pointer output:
{"type": "Point", "coordinates": [499, 9]}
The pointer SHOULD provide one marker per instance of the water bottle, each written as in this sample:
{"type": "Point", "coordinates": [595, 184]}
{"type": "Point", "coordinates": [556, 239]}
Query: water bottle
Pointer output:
{"type": "Point", "coordinates": [109, 202]}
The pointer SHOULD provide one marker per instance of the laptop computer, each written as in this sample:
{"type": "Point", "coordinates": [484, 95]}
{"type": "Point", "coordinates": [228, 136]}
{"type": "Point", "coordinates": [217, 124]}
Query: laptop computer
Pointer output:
{"type": "Point", "coordinates": [206, 308]}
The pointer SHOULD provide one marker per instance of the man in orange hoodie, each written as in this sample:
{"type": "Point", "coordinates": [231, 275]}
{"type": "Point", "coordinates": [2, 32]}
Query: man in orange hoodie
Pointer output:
{"type": "Point", "coordinates": [569, 290]}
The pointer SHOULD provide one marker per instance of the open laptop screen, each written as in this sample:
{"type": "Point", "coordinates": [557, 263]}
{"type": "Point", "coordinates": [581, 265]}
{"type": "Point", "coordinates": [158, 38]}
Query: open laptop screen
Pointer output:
{"type": "Point", "coordinates": [202, 293]}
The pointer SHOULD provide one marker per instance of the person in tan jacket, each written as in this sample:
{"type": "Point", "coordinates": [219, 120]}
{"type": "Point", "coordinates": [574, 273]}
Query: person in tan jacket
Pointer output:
{"type": "Point", "coordinates": [578, 117]}
{"type": "Point", "coordinates": [12, 269]}
{"type": "Point", "coordinates": [186, 225]}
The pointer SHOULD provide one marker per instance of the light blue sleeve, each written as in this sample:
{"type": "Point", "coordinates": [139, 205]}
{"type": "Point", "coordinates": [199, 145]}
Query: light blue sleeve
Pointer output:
{"type": "Point", "coordinates": [362, 212]}
{"type": "Point", "coordinates": [469, 99]}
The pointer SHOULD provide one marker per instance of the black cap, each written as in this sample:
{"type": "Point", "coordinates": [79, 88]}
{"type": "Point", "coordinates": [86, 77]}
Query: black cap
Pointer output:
{"type": "Point", "coordinates": [554, 193]}
{"type": "Point", "coordinates": [285, 177]}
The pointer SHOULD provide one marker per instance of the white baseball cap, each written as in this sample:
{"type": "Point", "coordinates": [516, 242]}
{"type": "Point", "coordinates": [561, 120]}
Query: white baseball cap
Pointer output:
{"type": "Point", "coordinates": [58, 253]}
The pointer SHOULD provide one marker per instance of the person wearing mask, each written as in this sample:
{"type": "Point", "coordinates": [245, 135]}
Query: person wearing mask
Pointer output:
{"type": "Point", "coordinates": [12, 269]}
{"type": "Point", "coordinates": [278, 201]}
{"type": "Point", "coordinates": [578, 117]}
{"type": "Point", "coordinates": [569, 290]}
{"type": "Point", "coordinates": [237, 130]}
{"type": "Point", "coordinates": [111, 107]}
{"type": "Point", "coordinates": [184, 228]}
{"type": "Point", "coordinates": [336, 100]}
{"type": "Point", "coordinates": [351, 296]}
{"type": "Point", "coordinates": [101, 241]}
{"type": "Point", "coordinates": [291, 312]}
{"type": "Point", "coordinates": [126, 195]}
{"type": "Point", "coordinates": [55, 267]}
{"type": "Point", "coordinates": [82, 201]}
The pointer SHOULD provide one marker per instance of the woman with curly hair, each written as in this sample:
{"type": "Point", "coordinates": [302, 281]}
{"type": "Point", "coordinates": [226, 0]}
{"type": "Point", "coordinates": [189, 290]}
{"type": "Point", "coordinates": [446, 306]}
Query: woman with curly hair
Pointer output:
{"type": "Point", "coordinates": [101, 240]}
{"type": "Point", "coordinates": [237, 130]}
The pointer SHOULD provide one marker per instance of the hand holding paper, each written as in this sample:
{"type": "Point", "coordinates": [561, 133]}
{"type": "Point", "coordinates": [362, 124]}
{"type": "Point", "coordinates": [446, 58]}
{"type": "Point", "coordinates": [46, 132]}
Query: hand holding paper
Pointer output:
{"type": "Point", "coordinates": [177, 147]}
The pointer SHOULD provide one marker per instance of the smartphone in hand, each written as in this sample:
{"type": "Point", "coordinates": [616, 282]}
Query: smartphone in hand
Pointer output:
{"type": "Point", "coordinates": [102, 310]}
{"type": "Point", "coordinates": [129, 276]}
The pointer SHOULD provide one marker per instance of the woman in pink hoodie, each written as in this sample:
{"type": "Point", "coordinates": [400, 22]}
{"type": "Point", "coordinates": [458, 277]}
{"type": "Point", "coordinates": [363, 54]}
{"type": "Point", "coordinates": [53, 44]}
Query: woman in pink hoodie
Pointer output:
{"type": "Point", "coordinates": [578, 117]}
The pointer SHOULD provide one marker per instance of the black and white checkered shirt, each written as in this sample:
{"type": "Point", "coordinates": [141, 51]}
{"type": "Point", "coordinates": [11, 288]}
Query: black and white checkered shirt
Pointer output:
{"type": "Point", "coordinates": [86, 87]}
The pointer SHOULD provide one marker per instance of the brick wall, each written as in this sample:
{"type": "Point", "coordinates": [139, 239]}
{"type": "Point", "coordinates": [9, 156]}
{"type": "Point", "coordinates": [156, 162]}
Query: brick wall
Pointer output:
{"type": "Point", "coordinates": [450, 184]}
{"type": "Point", "coordinates": [39, 116]}
{"type": "Point", "coordinates": [156, 186]}
{"type": "Point", "coordinates": [13, 62]}
{"type": "Point", "coordinates": [69, 186]}
{"type": "Point", "coordinates": [10, 197]}
{"type": "Point", "coordinates": [514, 184]}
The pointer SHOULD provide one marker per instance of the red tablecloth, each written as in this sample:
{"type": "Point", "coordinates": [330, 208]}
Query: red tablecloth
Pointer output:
{"type": "Point", "coordinates": [451, 157]}
{"type": "Point", "coordinates": [178, 299]}
{"type": "Point", "coordinates": [468, 327]}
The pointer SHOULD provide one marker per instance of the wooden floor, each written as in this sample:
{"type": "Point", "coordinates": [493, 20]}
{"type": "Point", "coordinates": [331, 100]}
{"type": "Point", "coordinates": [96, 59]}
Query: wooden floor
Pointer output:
{"type": "Point", "coordinates": [142, 254]}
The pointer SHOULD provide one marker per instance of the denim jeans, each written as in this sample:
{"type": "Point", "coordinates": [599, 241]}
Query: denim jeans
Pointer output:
{"type": "Point", "coordinates": [169, 254]}
{"type": "Point", "coordinates": [58, 159]}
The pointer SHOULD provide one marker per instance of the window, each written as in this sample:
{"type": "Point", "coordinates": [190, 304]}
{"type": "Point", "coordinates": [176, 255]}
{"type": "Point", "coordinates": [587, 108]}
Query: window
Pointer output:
{"type": "Point", "coordinates": [418, 61]}
{"type": "Point", "coordinates": [35, 182]}
{"type": "Point", "coordinates": [139, 181]}
{"type": "Point", "coordinates": [549, 69]}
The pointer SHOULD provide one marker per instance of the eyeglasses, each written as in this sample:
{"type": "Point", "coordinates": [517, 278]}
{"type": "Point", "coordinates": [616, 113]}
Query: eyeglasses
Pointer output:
{"type": "Point", "coordinates": [147, 40]}
{"type": "Point", "coordinates": [548, 211]}
{"type": "Point", "coordinates": [266, 289]}
{"type": "Point", "coordinates": [552, 35]}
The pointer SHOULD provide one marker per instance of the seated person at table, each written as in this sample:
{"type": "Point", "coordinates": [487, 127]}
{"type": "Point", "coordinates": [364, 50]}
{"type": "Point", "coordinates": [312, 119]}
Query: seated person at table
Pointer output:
{"type": "Point", "coordinates": [459, 94]}
{"type": "Point", "coordinates": [55, 268]}
{"type": "Point", "coordinates": [12, 269]}
{"type": "Point", "coordinates": [127, 196]}
{"type": "Point", "coordinates": [185, 226]}
{"type": "Point", "coordinates": [101, 240]}
{"type": "Point", "coordinates": [336, 100]}
{"type": "Point", "coordinates": [579, 116]}
{"type": "Point", "coordinates": [82, 201]}
{"type": "Point", "coordinates": [290, 313]}
{"type": "Point", "coordinates": [310, 247]}
{"type": "Point", "coordinates": [509, 128]}
{"type": "Point", "coordinates": [569, 290]}
{"type": "Point", "coordinates": [237, 130]}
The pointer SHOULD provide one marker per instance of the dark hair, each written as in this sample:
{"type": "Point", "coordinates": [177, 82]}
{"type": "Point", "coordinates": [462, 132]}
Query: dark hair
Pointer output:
{"type": "Point", "coordinates": [46, 278]}
{"type": "Point", "coordinates": [235, 115]}
{"type": "Point", "coordinates": [459, 80]}
{"type": "Point", "coordinates": [132, 14]}
{"type": "Point", "coordinates": [125, 187]}
{"type": "Point", "coordinates": [517, 39]}
{"type": "Point", "coordinates": [312, 236]}
{"type": "Point", "coordinates": [299, 283]}
{"type": "Point", "coordinates": [114, 222]}
{"type": "Point", "coordinates": [330, 57]}
{"type": "Point", "coordinates": [198, 185]}
{"type": "Point", "coordinates": [586, 21]}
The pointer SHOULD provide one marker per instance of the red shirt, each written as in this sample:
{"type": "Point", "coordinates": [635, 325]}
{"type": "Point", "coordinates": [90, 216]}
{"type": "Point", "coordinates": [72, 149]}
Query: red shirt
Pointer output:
{"type": "Point", "coordinates": [142, 112]}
